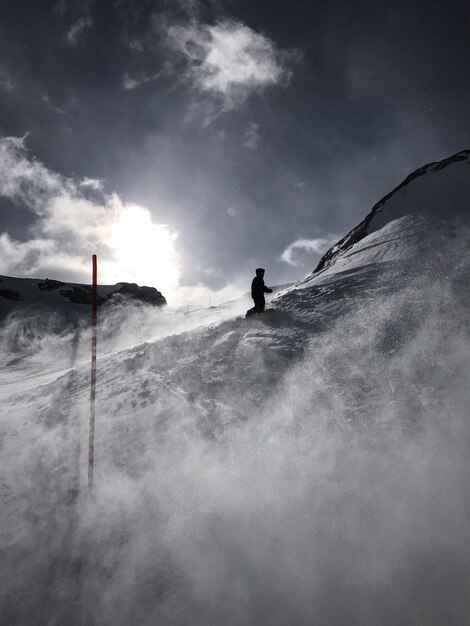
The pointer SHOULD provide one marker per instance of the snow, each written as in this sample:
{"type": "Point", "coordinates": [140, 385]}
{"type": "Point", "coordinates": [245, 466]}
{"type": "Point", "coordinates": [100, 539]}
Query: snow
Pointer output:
{"type": "Point", "coordinates": [53, 297]}
{"type": "Point", "coordinates": [435, 192]}
{"type": "Point", "coordinates": [305, 466]}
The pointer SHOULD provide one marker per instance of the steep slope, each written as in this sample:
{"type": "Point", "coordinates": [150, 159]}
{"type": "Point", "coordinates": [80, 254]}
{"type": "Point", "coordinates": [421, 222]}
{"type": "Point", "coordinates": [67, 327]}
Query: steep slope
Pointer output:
{"type": "Point", "coordinates": [308, 466]}
{"type": "Point", "coordinates": [437, 191]}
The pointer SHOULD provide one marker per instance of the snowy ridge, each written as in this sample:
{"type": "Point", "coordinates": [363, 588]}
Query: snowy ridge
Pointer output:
{"type": "Point", "coordinates": [447, 189]}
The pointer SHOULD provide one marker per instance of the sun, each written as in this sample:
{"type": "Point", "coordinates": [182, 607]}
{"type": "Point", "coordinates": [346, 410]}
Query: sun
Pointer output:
{"type": "Point", "coordinates": [140, 250]}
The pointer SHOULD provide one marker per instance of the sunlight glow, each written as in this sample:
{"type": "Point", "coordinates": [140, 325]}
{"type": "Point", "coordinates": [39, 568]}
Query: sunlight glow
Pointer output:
{"type": "Point", "coordinates": [141, 250]}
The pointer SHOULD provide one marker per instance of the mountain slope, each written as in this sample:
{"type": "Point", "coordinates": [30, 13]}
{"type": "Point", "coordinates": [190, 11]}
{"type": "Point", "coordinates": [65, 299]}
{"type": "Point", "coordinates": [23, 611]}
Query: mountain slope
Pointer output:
{"type": "Point", "coordinates": [306, 466]}
{"type": "Point", "coordinates": [439, 190]}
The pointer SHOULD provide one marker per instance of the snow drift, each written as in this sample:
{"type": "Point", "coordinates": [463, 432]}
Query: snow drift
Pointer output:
{"type": "Point", "coordinates": [305, 467]}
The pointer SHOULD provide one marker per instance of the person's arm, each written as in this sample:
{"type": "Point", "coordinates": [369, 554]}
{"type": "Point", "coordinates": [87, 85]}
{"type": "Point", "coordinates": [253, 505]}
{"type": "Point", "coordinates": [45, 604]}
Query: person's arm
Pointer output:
{"type": "Point", "coordinates": [267, 290]}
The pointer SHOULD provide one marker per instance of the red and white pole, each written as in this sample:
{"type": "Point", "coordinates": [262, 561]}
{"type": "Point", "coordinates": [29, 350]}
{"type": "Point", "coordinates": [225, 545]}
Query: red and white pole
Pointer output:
{"type": "Point", "coordinates": [91, 440]}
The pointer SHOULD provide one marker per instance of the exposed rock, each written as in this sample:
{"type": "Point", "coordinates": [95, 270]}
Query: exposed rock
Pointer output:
{"type": "Point", "coordinates": [70, 300]}
{"type": "Point", "coordinates": [80, 295]}
{"type": "Point", "coordinates": [9, 294]}
{"type": "Point", "coordinates": [147, 295]}
{"type": "Point", "coordinates": [49, 285]}
{"type": "Point", "coordinates": [124, 292]}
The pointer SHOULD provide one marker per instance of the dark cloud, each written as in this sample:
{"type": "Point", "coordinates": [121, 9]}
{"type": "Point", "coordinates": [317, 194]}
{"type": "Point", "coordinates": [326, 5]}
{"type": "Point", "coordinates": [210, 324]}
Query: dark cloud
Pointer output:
{"type": "Point", "coordinates": [374, 91]}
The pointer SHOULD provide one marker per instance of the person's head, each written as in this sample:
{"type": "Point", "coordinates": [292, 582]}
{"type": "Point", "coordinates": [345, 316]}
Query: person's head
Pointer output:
{"type": "Point", "coordinates": [260, 272]}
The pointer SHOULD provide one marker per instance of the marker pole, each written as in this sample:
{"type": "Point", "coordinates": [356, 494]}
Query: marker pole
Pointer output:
{"type": "Point", "coordinates": [91, 441]}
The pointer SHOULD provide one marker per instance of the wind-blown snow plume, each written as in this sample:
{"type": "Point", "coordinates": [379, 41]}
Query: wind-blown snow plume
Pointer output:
{"type": "Point", "coordinates": [309, 466]}
{"type": "Point", "coordinates": [236, 485]}
{"type": "Point", "coordinates": [317, 246]}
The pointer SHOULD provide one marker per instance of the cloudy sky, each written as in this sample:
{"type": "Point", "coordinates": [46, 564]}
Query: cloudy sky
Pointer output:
{"type": "Point", "coordinates": [189, 141]}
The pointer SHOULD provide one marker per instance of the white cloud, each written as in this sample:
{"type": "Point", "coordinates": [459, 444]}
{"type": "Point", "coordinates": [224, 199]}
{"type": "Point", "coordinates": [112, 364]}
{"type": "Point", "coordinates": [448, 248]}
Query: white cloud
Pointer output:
{"type": "Point", "coordinates": [47, 101]}
{"type": "Point", "coordinates": [23, 179]}
{"type": "Point", "coordinates": [76, 30]}
{"type": "Point", "coordinates": [70, 227]}
{"type": "Point", "coordinates": [135, 45]}
{"type": "Point", "coordinates": [317, 246]}
{"type": "Point", "coordinates": [130, 83]}
{"type": "Point", "coordinates": [228, 60]}
{"type": "Point", "coordinates": [251, 136]}
{"type": "Point", "coordinates": [92, 183]}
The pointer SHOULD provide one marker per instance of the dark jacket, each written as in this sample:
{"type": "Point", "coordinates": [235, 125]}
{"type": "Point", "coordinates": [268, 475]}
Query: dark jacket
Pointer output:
{"type": "Point", "coordinates": [258, 288]}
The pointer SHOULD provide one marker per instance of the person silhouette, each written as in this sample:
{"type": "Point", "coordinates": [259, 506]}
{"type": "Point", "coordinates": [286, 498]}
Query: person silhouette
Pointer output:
{"type": "Point", "coordinates": [258, 289]}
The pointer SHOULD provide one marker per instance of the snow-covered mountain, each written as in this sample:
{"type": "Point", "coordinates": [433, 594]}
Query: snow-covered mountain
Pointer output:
{"type": "Point", "coordinates": [69, 300]}
{"type": "Point", "coordinates": [435, 191]}
{"type": "Point", "coordinates": [308, 466]}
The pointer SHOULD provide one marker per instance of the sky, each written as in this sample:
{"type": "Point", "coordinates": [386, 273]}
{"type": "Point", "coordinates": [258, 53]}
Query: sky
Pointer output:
{"type": "Point", "coordinates": [187, 142]}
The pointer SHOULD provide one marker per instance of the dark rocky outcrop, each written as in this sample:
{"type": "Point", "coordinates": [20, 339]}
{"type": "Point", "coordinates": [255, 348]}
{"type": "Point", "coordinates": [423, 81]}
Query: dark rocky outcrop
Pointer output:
{"type": "Point", "coordinates": [9, 294]}
{"type": "Point", "coordinates": [124, 292]}
{"type": "Point", "coordinates": [80, 295]}
{"type": "Point", "coordinates": [50, 285]}
{"type": "Point", "coordinates": [132, 291]}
